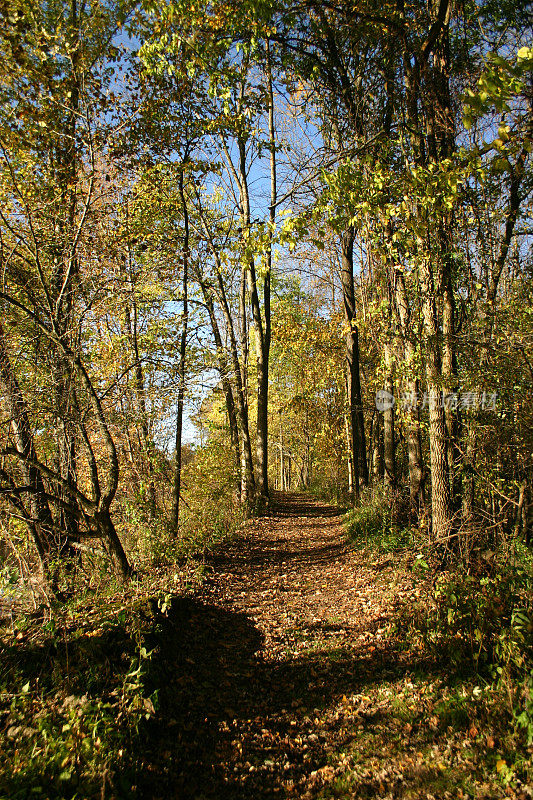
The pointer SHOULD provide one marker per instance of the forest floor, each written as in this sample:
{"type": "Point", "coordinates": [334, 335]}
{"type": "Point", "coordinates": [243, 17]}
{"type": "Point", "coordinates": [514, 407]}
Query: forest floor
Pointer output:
{"type": "Point", "coordinates": [286, 674]}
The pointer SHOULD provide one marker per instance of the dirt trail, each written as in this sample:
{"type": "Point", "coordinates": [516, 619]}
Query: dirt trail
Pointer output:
{"type": "Point", "coordinates": [265, 674]}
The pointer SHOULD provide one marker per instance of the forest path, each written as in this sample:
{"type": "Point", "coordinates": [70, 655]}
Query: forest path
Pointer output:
{"type": "Point", "coordinates": [278, 677]}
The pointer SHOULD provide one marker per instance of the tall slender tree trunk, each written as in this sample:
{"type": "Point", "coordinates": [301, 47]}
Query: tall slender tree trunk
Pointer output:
{"type": "Point", "coordinates": [307, 451]}
{"type": "Point", "coordinates": [247, 466]}
{"type": "Point", "coordinates": [417, 499]}
{"type": "Point", "coordinates": [263, 352]}
{"type": "Point", "coordinates": [377, 450]}
{"type": "Point", "coordinates": [65, 273]}
{"type": "Point", "coordinates": [349, 454]}
{"type": "Point", "coordinates": [224, 371]}
{"type": "Point", "coordinates": [262, 337]}
{"type": "Point", "coordinates": [281, 455]}
{"type": "Point", "coordinates": [450, 397]}
{"type": "Point", "coordinates": [468, 487]}
{"type": "Point", "coordinates": [183, 354]}
{"type": "Point", "coordinates": [431, 143]}
{"type": "Point", "coordinates": [389, 439]}
{"type": "Point", "coordinates": [139, 387]}
{"type": "Point", "coordinates": [239, 376]}
{"type": "Point", "coordinates": [358, 438]}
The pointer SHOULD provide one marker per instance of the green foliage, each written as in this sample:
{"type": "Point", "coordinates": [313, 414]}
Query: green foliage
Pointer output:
{"type": "Point", "coordinates": [483, 622]}
{"type": "Point", "coordinates": [72, 698]}
{"type": "Point", "coordinates": [524, 715]}
{"type": "Point", "coordinates": [501, 81]}
{"type": "Point", "coordinates": [374, 524]}
{"type": "Point", "coordinates": [151, 541]}
{"type": "Point", "coordinates": [453, 710]}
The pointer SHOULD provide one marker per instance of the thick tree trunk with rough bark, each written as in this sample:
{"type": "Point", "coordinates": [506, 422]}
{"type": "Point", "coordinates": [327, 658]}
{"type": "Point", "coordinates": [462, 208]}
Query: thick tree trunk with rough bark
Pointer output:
{"type": "Point", "coordinates": [412, 388]}
{"type": "Point", "coordinates": [426, 79]}
{"type": "Point", "coordinates": [441, 501]}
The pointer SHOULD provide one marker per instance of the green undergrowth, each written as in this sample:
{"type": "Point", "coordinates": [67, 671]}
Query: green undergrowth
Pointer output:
{"type": "Point", "coordinates": [482, 624]}
{"type": "Point", "coordinates": [475, 623]}
{"type": "Point", "coordinates": [74, 674]}
{"type": "Point", "coordinates": [154, 544]}
{"type": "Point", "coordinates": [377, 524]}
{"type": "Point", "coordinates": [330, 492]}
{"type": "Point", "coordinates": [75, 690]}
{"type": "Point", "coordinates": [72, 699]}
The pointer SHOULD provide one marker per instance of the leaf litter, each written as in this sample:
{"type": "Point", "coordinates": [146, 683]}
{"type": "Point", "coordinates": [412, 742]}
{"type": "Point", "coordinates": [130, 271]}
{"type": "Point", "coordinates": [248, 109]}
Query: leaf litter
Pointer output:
{"type": "Point", "coordinates": [286, 674]}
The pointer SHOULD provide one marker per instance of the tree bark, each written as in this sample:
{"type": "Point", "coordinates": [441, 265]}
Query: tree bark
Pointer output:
{"type": "Point", "coordinates": [139, 389]}
{"type": "Point", "coordinates": [430, 145]}
{"type": "Point", "coordinates": [389, 441]}
{"type": "Point", "coordinates": [246, 467]}
{"type": "Point", "coordinates": [441, 503]}
{"type": "Point", "coordinates": [412, 385]}
{"type": "Point", "coordinates": [263, 354]}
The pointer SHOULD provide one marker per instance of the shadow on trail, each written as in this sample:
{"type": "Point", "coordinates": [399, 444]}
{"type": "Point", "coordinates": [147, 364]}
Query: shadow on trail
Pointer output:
{"type": "Point", "coordinates": [301, 505]}
{"type": "Point", "coordinates": [239, 721]}
{"type": "Point", "coordinates": [230, 725]}
{"type": "Point", "coordinates": [278, 555]}
{"type": "Point", "coordinates": [200, 671]}
{"type": "Point", "coordinates": [266, 554]}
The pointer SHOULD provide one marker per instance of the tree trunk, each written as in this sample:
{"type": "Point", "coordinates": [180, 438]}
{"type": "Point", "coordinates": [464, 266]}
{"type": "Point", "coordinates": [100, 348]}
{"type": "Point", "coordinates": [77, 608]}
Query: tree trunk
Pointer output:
{"type": "Point", "coordinates": [441, 505]}
{"type": "Point", "coordinates": [263, 353]}
{"type": "Point", "coordinates": [39, 521]}
{"type": "Point", "coordinates": [450, 380]}
{"type": "Point", "coordinates": [378, 470]}
{"type": "Point", "coordinates": [109, 535]}
{"type": "Point", "coordinates": [307, 451]}
{"type": "Point", "coordinates": [358, 439]}
{"type": "Point", "coordinates": [413, 434]}
{"type": "Point", "coordinates": [224, 371]}
{"type": "Point", "coordinates": [63, 284]}
{"type": "Point", "coordinates": [239, 376]}
{"type": "Point", "coordinates": [247, 466]}
{"type": "Point", "coordinates": [262, 337]}
{"type": "Point", "coordinates": [182, 362]}
{"type": "Point", "coordinates": [349, 457]}
{"type": "Point", "coordinates": [281, 456]}
{"type": "Point", "coordinates": [143, 426]}
{"type": "Point", "coordinates": [417, 500]}
{"type": "Point", "coordinates": [431, 144]}
{"type": "Point", "coordinates": [389, 443]}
